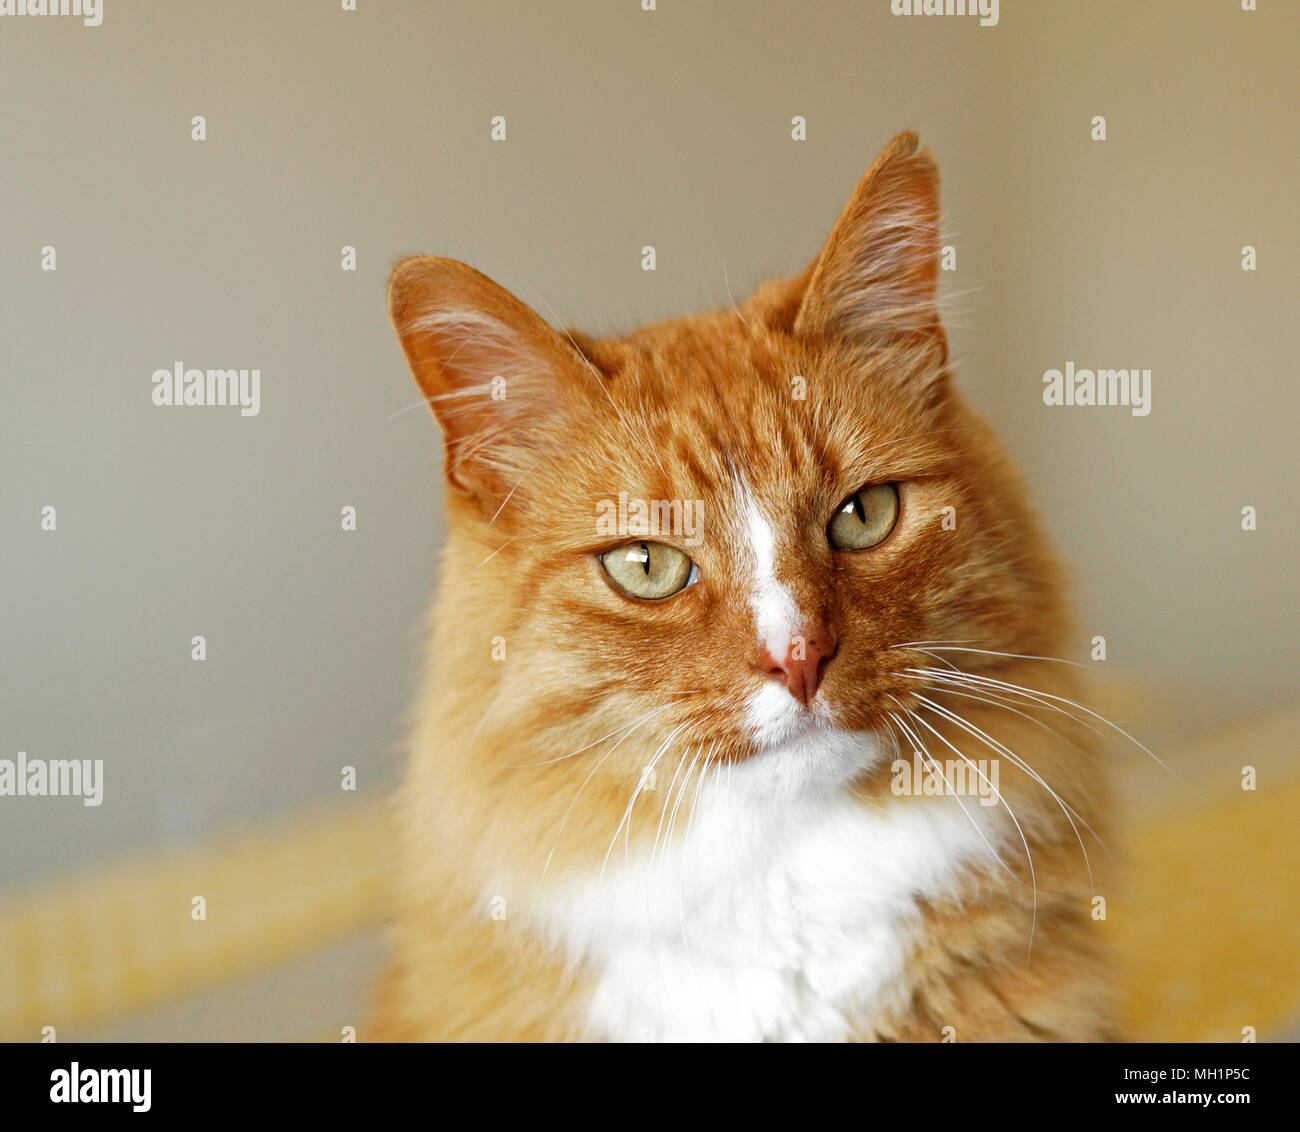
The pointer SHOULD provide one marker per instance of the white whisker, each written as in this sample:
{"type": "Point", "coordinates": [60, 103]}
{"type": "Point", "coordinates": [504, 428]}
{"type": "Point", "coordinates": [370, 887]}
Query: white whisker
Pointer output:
{"type": "Point", "coordinates": [994, 745]}
{"type": "Point", "coordinates": [1010, 813]}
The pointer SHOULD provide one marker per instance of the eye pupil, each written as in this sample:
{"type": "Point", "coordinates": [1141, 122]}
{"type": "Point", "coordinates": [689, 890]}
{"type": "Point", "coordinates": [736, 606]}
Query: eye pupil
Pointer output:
{"type": "Point", "coordinates": [645, 559]}
{"type": "Point", "coordinates": [858, 509]}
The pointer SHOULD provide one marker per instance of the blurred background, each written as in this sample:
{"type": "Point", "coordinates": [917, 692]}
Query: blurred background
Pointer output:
{"type": "Point", "coordinates": [328, 129]}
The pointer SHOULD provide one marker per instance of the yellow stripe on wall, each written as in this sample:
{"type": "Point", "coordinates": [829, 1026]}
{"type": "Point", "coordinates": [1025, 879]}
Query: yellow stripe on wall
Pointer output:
{"type": "Point", "coordinates": [116, 938]}
{"type": "Point", "coordinates": [1209, 929]}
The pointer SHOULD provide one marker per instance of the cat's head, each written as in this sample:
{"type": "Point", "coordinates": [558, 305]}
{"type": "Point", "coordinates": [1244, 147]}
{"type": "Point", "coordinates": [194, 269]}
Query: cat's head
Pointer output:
{"type": "Point", "coordinates": [739, 527]}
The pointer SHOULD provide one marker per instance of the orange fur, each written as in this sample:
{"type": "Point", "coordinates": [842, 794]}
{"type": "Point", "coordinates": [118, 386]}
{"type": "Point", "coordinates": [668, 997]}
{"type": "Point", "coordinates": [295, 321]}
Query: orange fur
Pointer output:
{"type": "Point", "coordinates": [519, 775]}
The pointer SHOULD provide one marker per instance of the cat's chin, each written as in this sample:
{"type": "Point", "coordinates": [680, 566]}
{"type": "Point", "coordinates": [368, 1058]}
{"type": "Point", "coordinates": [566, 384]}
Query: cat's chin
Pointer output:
{"type": "Point", "coordinates": [775, 718]}
{"type": "Point", "coordinates": [815, 762]}
{"type": "Point", "coordinates": [799, 751]}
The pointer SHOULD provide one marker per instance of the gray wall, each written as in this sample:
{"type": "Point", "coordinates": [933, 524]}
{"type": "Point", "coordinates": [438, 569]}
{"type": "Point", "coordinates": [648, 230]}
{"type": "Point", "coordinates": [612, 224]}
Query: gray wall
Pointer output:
{"type": "Point", "coordinates": [670, 128]}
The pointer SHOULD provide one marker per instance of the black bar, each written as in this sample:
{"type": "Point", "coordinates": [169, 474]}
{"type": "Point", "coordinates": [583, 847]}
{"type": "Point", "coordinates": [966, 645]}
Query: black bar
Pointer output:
{"type": "Point", "coordinates": [336, 1082]}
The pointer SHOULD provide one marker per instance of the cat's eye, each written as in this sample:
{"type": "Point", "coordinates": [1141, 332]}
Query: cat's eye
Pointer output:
{"type": "Point", "coordinates": [865, 518]}
{"type": "Point", "coordinates": [648, 570]}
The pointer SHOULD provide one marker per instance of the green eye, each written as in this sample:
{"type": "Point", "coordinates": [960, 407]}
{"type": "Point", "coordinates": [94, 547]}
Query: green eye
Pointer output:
{"type": "Point", "coordinates": [865, 518]}
{"type": "Point", "coordinates": [648, 570]}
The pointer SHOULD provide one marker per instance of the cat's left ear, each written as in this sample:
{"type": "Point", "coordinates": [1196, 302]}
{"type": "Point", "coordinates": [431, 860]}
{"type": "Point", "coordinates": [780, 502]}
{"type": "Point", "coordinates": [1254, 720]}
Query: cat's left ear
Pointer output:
{"type": "Point", "coordinates": [876, 279]}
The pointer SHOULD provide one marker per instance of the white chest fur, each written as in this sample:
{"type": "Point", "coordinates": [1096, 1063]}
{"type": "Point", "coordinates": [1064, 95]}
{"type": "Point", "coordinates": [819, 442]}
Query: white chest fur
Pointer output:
{"type": "Point", "coordinates": [766, 919]}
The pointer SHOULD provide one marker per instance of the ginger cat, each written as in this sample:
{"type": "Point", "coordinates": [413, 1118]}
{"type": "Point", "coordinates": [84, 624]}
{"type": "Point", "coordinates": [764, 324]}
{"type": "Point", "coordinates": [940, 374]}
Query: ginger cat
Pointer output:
{"type": "Point", "coordinates": [736, 724]}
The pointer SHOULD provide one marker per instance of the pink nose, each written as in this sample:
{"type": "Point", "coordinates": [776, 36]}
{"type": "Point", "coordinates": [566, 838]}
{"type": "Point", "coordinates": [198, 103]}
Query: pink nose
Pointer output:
{"type": "Point", "coordinates": [800, 669]}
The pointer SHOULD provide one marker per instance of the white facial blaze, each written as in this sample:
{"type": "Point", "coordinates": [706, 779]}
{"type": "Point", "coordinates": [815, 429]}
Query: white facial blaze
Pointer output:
{"type": "Point", "coordinates": [772, 713]}
{"type": "Point", "coordinates": [776, 614]}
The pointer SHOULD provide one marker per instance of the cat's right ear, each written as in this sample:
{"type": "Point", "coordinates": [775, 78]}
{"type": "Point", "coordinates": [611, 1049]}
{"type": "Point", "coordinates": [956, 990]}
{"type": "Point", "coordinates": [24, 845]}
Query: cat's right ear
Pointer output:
{"type": "Point", "coordinates": [489, 366]}
{"type": "Point", "coordinates": [876, 279]}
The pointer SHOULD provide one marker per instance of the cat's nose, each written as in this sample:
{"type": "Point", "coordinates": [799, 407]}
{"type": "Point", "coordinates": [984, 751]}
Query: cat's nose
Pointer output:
{"type": "Point", "coordinates": [800, 664]}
